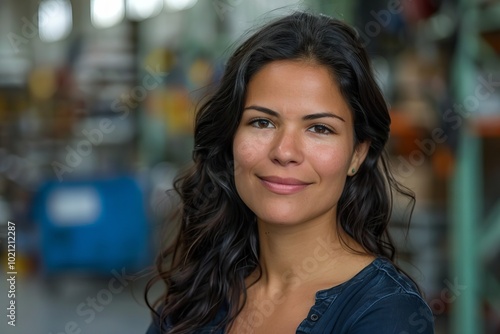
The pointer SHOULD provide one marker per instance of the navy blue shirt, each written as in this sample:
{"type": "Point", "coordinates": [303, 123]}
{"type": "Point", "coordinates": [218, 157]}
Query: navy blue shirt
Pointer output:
{"type": "Point", "coordinates": [378, 300]}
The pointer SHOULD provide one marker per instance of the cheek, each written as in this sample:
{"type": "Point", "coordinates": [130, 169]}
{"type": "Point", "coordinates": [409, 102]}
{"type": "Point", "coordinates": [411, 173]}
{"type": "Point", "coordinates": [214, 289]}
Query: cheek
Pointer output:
{"type": "Point", "coordinates": [330, 161]}
{"type": "Point", "coordinates": [245, 153]}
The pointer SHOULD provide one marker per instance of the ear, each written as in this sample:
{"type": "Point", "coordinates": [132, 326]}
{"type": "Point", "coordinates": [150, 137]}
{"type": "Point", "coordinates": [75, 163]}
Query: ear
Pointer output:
{"type": "Point", "coordinates": [358, 156]}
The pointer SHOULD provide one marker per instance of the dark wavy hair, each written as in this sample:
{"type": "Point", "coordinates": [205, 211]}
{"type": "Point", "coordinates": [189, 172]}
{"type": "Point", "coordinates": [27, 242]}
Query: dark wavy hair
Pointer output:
{"type": "Point", "coordinates": [217, 246]}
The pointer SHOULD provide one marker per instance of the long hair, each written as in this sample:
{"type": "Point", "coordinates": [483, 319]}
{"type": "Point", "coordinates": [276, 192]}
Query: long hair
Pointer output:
{"type": "Point", "coordinates": [217, 246]}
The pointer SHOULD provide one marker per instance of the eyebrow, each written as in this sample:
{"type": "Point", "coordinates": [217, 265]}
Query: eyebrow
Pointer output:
{"type": "Point", "coordinates": [305, 118]}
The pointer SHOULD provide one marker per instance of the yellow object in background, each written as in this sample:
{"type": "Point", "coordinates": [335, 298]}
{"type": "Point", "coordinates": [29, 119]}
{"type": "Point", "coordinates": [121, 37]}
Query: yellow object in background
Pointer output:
{"type": "Point", "coordinates": [178, 110]}
{"type": "Point", "coordinates": [42, 83]}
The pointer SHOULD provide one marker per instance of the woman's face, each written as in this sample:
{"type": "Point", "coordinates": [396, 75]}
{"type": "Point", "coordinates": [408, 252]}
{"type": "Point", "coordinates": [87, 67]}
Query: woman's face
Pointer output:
{"type": "Point", "coordinates": [294, 147]}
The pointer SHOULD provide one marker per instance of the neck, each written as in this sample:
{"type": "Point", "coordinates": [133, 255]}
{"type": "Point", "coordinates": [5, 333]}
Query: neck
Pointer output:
{"type": "Point", "coordinates": [295, 256]}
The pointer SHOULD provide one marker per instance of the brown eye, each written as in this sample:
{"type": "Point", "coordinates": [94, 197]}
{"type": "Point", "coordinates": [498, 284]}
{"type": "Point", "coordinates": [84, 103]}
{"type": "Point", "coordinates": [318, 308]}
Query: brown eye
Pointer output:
{"type": "Point", "coordinates": [261, 123]}
{"type": "Point", "coordinates": [321, 129]}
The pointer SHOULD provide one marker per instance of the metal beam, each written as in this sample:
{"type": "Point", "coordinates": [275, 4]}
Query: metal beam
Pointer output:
{"type": "Point", "coordinates": [466, 197]}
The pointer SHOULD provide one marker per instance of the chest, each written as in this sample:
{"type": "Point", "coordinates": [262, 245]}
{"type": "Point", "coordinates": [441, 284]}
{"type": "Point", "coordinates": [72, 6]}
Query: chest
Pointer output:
{"type": "Point", "coordinates": [271, 316]}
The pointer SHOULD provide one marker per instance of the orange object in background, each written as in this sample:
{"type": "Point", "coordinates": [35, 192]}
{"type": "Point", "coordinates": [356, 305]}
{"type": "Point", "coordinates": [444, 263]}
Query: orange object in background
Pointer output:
{"type": "Point", "coordinates": [443, 162]}
{"type": "Point", "coordinates": [404, 133]}
{"type": "Point", "coordinates": [405, 136]}
{"type": "Point", "coordinates": [487, 126]}
{"type": "Point", "coordinates": [493, 39]}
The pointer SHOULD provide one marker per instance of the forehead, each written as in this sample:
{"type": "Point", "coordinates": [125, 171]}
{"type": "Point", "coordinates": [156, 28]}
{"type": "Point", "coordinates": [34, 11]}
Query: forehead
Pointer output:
{"type": "Point", "coordinates": [298, 86]}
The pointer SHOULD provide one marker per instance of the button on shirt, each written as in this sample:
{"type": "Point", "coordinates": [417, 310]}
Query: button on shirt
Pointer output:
{"type": "Point", "coordinates": [378, 299]}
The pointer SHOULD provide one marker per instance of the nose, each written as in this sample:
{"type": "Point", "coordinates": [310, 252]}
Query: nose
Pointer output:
{"type": "Point", "coordinates": [286, 148]}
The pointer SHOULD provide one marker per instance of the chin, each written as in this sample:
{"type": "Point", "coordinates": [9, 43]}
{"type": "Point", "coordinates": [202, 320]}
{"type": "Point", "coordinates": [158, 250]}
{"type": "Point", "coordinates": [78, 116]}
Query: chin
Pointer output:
{"type": "Point", "coordinates": [288, 218]}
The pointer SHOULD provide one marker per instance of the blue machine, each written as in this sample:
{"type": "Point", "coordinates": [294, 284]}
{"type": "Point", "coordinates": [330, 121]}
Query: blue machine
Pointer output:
{"type": "Point", "coordinates": [93, 225]}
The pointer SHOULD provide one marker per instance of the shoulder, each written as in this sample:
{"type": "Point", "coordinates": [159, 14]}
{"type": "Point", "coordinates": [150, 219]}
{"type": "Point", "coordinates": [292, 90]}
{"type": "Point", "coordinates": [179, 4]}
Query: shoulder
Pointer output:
{"type": "Point", "coordinates": [378, 280]}
{"type": "Point", "coordinates": [400, 313]}
{"type": "Point", "coordinates": [380, 299]}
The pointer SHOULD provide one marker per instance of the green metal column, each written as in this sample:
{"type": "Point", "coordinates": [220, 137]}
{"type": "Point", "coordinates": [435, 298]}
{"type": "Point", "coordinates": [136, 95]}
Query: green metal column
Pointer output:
{"type": "Point", "coordinates": [466, 197]}
{"type": "Point", "coordinates": [466, 187]}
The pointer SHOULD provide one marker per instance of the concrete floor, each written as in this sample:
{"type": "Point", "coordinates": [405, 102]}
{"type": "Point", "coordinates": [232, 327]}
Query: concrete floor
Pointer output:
{"type": "Point", "coordinates": [75, 305]}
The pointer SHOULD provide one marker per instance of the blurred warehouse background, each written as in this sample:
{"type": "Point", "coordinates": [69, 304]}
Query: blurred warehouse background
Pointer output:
{"type": "Point", "coordinates": [97, 99]}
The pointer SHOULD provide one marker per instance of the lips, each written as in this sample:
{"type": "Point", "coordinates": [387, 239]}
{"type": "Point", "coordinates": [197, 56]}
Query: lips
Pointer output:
{"type": "Point", "coordinates": [283, 186]}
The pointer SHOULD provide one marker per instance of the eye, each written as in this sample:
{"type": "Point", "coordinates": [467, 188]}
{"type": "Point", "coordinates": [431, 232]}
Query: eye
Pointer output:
{"type": "Point", "coordinates": [261, 123]}
{"type": "Point", "coordinates": [321, 129]}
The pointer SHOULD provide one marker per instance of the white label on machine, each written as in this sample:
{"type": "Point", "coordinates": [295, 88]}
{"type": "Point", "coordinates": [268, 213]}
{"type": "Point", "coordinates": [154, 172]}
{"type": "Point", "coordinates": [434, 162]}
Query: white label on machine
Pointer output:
{"type": "Point", "coordinates": [74, 206]}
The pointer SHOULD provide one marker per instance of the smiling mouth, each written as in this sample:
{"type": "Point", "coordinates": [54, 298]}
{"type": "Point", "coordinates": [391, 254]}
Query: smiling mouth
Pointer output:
{"type": "Point", "coordinates": [283, 186]}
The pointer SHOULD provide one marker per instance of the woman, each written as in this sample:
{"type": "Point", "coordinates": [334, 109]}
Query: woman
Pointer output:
{"type": "Point", "coordinates": [285, 210]}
